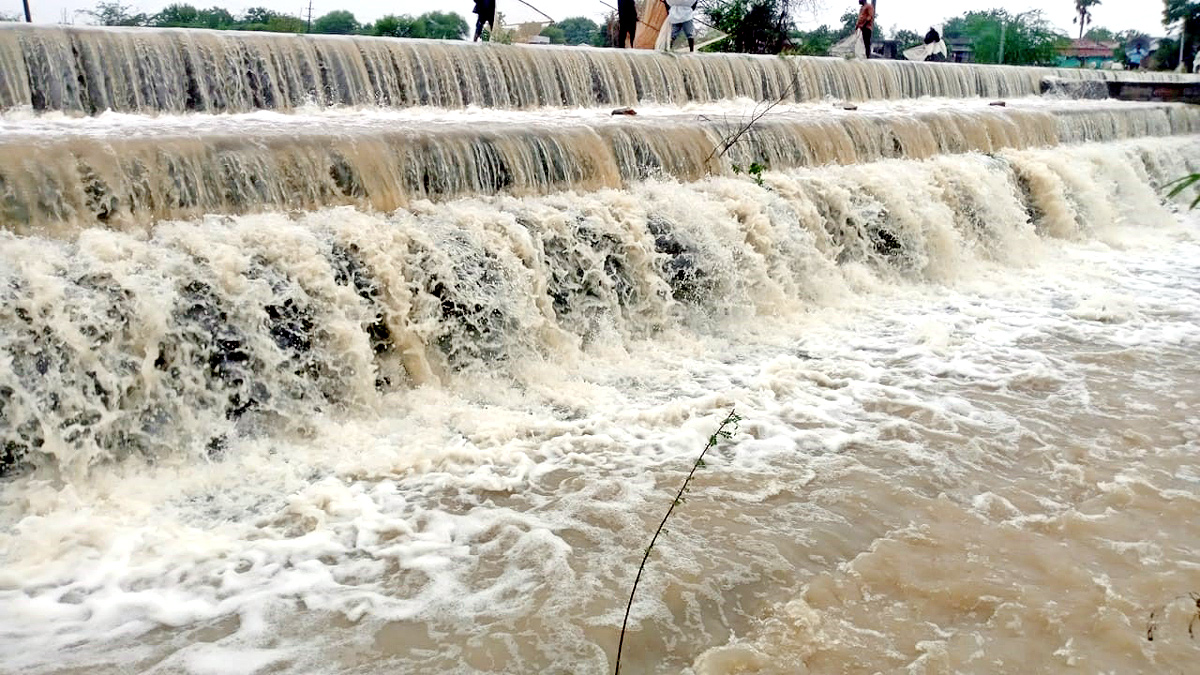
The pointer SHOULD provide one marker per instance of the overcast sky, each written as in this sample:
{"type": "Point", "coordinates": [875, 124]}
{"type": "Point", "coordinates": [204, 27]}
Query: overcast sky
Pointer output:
{"type": "Point", "coordinates": [916, 15]}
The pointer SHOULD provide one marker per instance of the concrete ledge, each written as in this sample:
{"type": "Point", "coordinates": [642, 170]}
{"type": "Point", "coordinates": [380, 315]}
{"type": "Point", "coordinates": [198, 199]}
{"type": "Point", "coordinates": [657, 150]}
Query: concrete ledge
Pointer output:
{"type": "Point", "coordinates": [1158, 92]}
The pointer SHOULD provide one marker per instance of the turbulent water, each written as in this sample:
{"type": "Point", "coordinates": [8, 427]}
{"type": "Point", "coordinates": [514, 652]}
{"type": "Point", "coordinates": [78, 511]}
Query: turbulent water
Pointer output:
{"type": "Point", "coordinates": [123, 172]}
{"type": "Point", "coordinates": [272, 429]}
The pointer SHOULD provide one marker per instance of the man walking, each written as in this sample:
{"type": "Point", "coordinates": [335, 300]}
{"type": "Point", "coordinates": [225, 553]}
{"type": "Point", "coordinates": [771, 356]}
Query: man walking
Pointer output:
{"type": "Point", "coordinates": [627, 20]}
{"type": "Point", "coordinates": [680, 17]}
{"type": "Point", "coordinates": [866, 23]}
{"type": "Point", "coordinates": [486, 9]}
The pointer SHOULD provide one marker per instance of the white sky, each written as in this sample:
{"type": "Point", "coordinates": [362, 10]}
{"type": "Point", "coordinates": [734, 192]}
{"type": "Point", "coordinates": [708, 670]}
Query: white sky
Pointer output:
{"type": "Point", "coordinates": [916, 15]}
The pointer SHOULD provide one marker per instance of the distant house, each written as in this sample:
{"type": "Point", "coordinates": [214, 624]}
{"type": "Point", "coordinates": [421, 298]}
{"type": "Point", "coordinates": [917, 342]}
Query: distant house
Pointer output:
{"type": "Point", "coordinates": [1087, 54]}
{"type": "Point", "coordinates": [960, 50]}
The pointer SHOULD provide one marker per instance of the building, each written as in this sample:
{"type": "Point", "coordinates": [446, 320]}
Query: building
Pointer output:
{"type": "Point", "coordinates": [960, 49]}
{"type": "Point", "coordinates": [1087, 54]}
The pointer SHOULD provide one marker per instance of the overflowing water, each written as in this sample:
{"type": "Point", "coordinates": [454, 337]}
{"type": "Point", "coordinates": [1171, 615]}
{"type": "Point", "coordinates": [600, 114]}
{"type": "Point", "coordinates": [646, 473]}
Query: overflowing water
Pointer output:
{"type": "Point", "coordinates": [123, 172]}
{"type": "Point", "coordinates": [85, 70]}
{"type": "Point", "coordinates": [250, 431]}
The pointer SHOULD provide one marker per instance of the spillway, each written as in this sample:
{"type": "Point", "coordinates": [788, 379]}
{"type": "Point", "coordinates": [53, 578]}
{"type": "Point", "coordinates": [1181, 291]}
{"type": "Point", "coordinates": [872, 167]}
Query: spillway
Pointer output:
{"type": "Point", "coordinates": [342, 354]}
{"type": "Point", "coordinates": [86, 70]}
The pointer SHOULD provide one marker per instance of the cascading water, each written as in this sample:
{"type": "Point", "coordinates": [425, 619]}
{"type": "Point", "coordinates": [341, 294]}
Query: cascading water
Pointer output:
{"type": "Point", "coordinates": [86, 70]}
{"type": "Point", "coordinates": [367, 389]}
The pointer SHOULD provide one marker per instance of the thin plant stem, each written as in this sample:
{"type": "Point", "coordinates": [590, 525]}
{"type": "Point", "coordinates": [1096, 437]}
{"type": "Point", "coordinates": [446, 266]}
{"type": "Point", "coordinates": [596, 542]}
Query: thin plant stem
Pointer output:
{"type": "Point", "coordinates": [731, 419]}
{"type": "Point", "coordinates": [729, 141]}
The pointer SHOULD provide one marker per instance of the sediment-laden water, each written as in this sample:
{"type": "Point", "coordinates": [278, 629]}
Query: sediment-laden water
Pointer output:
{"type": "Point", "coordinates": [438, 441]}
{"type": "Point", "coordinates": [87, 71]}
{"type": "Point", "coordinates": [352, 355]}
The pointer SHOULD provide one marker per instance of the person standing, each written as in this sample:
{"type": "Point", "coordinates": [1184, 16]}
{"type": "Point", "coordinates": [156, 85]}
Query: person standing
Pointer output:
{"type": "Point", "coordinates": [486, 9]}
{"type": "Point", "coordinates": [866, 23]}
{"type": "Point", "coordinates": [627, 20]}
{"type": "Point", "coordinates": [680, 17]}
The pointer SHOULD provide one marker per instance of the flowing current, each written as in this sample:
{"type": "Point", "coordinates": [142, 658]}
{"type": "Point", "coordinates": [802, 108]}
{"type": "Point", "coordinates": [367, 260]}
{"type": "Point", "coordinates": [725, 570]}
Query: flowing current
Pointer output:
{"type": "Point", "coordinates": [282, 434]}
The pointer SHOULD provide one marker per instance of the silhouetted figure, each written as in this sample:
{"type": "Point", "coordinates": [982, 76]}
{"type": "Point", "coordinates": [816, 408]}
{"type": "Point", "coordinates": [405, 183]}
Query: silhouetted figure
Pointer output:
{"type": "Point", "coordinates": [680, 17]}
{"type": "Point", "coordinates": [486, 9]}
{"type": "Point", "coordinates": [866, 24]}
{"type": "Point", "coordinates": [932, 37]}
{"type": "Point", "coordinates": [627, 19]}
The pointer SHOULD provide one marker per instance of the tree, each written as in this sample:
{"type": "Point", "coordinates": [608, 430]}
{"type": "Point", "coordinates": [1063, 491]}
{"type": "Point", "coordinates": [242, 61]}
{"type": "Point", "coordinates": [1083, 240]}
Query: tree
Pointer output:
{"type": "Point", "coordinates": [1083, 14]}
{"type": "Point", "coordinates": [1166, 57]}
{"type": "Point", "coordinates": [557, 35]}
{"type": "Point", "coordinates": [1101, 34]}
{"type": "Point", "coordinates": [1029, 39]}
{"type": "Point", "coordinates": [263, 19]}
{"type": "Point", "coordinates": [217, 18]}
{"type": "Point", "coordinates": [5, 16]}
{"type": "Point", "coordinates": [1187, 13]}
{"type": "Point", "coordinates": [580, 30]}
{"type": "Point", "coordinates": [813, 43]}
{"type": "Point", "coordinates": [849, 21]}
{"type": "Point", "coordinates": [176, 16]}
{"type": "Point", "coordinates": [908, 38]}
{"type": "Point", "coordinates": [186, 16]}
{"type": "Point", "coordinates": [115, 14]}
{"type": "Point", "coordinates": [444, 25]}
{"type": "Point", "coordinates": [753, 26]}
{"type": "Point", "coordinates": [337, 22]}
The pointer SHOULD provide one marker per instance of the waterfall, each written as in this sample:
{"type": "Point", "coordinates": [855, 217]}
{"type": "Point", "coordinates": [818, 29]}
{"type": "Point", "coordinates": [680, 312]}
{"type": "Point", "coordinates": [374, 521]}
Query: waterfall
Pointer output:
{"type": "Point", "coordinates": [120, 344]}
{"type": "Point", "coordinates": [171, 276]}
{"type": "Point", "coordinates": [67, 176]}
{"type": "Point", "coordinates": [149, 71]}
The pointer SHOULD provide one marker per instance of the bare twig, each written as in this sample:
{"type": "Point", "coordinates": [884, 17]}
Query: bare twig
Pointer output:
{"type": "Point", "coordinates": [731, 419]}
{"type": "Point", "coordinates": [731, 140]}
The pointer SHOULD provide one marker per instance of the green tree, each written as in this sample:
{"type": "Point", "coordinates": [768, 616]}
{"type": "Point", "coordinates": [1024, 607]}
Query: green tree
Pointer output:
{"type": "Point", "coordinates": [217, 18]}
{"type": "Point", "coordinates": [1083, 14]}
{"type": "Point", "coordinates": [1101, 34]}
{"type": "Point", "coordinates": [391, 25]}
{"type": "Point", "coordinates": [115, 14]}
{"type": "Point", "coordinates": [849, 20]}
{"type": "Point", "coordinates": [177, 16]}
{"type": "Point", "coordinates": [753, 26]}
{"type": "Point", "coordinates": [908, 38]}
{"type": "Point", "coordinates": [1166, 57]}
{"type": "Point", "coordinates": [181, 15]}
{"type": "Point", "coordinates": [337, 22]}
{"type": "Point", "coordinates": [580, 30]}
{"type": "Point", "coordinates": [1187, 14]}
{"type": "Point", "coordinates": [557, 35]}
{"type": "Point", "coordinates": [444, 25]}
{"type": "Point", "coordinates": [1029, 39]}
{"type": "Point", "coordinates": [812, 43]}
{"type": "Point", "coordinates": [263, 19]}
{"type": "Point", "coordinates": [435, 25]}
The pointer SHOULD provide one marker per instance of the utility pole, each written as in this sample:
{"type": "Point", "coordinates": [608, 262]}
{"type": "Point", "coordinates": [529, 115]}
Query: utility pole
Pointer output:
{"type": "Point", "coordinates": [1004, 29]}
{"type": "Point", "coordinates": [1183, 37]}
{"type": "Point", "coordinates": [28, 15]}
{"type": "Point", "coordinates": [309, 29]}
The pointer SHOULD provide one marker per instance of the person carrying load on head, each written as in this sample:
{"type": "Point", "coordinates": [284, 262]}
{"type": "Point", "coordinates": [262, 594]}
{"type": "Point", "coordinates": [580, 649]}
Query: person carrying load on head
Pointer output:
{"type": "Point", "coordinates": [680, 17]}
{"type": "Point", "coordinates": [627, 20]}
{"type": "Point", "coordinates": [486, 9]}
{"type": "Point", "coordinates": [866, 24]}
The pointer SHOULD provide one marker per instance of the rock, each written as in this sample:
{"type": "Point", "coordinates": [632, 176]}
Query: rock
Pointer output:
{"type": "Point", "coordinates": [998, 104]}
{"type": "Point", "coordinates": [624, 111]}
{"type": "Point", "coordinates": [849, 106]}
